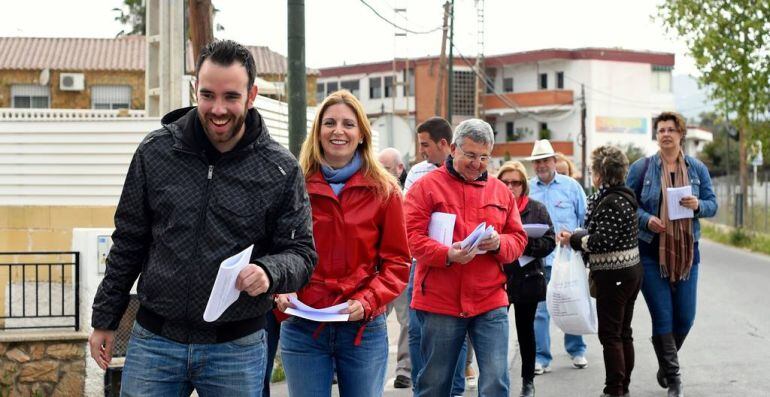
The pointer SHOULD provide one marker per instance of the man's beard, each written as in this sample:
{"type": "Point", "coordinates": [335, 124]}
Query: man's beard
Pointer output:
{"type": "Point", "coordinates": [237, 123]}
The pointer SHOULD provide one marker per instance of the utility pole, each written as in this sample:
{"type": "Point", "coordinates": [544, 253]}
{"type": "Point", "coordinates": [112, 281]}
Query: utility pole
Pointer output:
{"type": "Point", "coordinates": [583, 136]}
{"type": "Point", "coordinates": [397, 35]}
{"type": "Point", "coordinates": [442, 63]}
{"type": "Point", "coordinates": [165, 56]}
{"type": "Point", "coordinates": [296, 78]}
{"type": "Point", "coordinates": [201, 24]}
{"type": "Point", "coordinates": [449, 100]}
{"type": "Point", "coordinates": [480, 80]}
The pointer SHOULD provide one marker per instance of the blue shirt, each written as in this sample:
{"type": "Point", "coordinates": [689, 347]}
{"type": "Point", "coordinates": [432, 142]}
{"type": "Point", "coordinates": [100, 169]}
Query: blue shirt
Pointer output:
{"type": "Point", "coordinates": [565, 201]}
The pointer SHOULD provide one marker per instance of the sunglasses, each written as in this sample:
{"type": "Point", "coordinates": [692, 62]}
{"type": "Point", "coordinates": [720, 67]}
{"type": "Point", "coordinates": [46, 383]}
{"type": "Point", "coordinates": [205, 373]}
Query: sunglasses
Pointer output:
{"type": "Point", "coordinates": [512, 183]}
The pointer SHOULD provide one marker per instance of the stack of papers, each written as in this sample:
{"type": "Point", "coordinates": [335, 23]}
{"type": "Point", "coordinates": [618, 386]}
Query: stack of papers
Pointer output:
{"type": "Point", "coordinates": [441, 227]}
{"type": "Point", "coordinates": [676, 210]}
{"type": "Point", "coordinates": [481, 232]}
{"type": "Point", "coordinates": [533, 230]}
{"type": "Point", "coordinates": [224, 292]}
{"type": "Point", "coordinates": [328, 314]}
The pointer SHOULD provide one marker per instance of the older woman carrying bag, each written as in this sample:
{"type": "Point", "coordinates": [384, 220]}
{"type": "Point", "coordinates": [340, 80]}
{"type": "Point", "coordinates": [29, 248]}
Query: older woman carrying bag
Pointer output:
{"type": "Point", "coordinates": [526, 284]}
{"type": "Point", "coordinates": [669, 248]}
{"type": "Point", "coordinates": [610, 242]}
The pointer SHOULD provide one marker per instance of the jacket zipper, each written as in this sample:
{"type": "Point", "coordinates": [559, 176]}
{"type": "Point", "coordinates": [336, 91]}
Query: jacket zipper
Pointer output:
{"type": "Point", "coordinates": [204, 208]}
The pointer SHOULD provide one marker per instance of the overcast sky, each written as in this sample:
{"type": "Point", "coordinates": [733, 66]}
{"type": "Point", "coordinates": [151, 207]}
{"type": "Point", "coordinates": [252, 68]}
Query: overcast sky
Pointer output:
{"type": "Point", "coordinates": [346, 31]}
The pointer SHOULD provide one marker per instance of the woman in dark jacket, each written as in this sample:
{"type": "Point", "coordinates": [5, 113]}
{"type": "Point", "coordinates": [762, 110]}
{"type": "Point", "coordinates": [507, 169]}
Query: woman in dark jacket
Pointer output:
{"type": "Point", "coordinates": [610, 242]}
{"type": "Point", "coordinates": [526, 283]}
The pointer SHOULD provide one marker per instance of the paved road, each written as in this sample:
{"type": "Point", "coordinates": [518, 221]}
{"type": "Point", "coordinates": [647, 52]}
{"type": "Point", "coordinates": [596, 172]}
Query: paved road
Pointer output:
{"type": "Point", "coordinates": [727, 353]}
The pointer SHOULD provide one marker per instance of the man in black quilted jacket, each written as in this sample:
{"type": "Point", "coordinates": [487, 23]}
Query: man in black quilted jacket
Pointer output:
{"type": "Point", "coordinates": [204, 187]}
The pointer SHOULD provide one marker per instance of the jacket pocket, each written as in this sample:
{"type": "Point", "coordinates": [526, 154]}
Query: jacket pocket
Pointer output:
{"type": "Point", "coordinates": [424, 278]}
{"type": "Point", "coordinates": [240, 216]}
{"type": "Point", "coordinates": [495, 215]}
{"type": "Point", "coordinates": [695, 183]}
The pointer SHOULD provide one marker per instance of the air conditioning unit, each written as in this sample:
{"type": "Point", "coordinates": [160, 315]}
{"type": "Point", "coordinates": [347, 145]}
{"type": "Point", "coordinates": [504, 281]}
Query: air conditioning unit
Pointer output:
{"type": "Point", "coordinates": [72, 82]}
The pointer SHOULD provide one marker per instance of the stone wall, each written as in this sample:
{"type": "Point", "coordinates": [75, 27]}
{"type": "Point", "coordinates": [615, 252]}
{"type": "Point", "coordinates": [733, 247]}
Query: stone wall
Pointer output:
{"type": "Point", "coordinates": [43, 367]}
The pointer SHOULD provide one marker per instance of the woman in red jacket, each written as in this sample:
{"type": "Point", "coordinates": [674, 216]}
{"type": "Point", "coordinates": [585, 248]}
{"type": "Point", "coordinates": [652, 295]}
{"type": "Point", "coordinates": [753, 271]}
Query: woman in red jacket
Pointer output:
{"type": "Point", "coordinates": [363, 257]}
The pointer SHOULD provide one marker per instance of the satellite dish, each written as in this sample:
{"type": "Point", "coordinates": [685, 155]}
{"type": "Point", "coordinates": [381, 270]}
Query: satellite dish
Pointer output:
{"type": "Point", "coordinates": [45, 76]}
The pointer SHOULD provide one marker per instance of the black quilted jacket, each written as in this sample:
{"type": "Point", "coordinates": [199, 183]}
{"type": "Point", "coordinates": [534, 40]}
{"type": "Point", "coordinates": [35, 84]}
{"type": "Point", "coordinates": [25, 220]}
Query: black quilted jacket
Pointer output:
{"type": "Point", "coordinates": [179, 217]}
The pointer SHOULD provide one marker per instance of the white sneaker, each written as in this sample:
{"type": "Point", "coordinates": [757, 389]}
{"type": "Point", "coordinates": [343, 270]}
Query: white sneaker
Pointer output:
{"type": "Point", "coordinates": [579, 362]}
{"type": "Point", "coordinates": [540, 369]}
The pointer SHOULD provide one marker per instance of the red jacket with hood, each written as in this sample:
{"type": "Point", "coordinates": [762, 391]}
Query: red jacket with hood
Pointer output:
{"type": "Point", "coordinates": [478, 286]}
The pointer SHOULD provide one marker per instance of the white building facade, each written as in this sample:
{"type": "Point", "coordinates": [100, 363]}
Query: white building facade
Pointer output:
{"type": "Point", "coordinates": [528, 96]}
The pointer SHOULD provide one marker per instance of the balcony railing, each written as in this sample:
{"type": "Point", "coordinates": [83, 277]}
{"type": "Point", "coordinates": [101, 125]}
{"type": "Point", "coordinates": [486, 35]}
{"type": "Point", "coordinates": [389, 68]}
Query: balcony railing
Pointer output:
{"type": "Point", "coordinates": [40, 290]}
{"type": "Point", "coordinates": [524, 149]}
{"type": "Point", "coordinates": [13, 114]}
{"type": "Point", "coordinates": [529, 99]}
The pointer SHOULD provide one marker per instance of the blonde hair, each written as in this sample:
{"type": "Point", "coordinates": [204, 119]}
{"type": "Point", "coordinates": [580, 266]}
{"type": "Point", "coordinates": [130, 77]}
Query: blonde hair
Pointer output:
{"type": "Point", "coordinates": [515, 166]}
{"type": "Point", "coordinates": [311, 156]}
{"type": "Point", "coordinates": [571, 169]}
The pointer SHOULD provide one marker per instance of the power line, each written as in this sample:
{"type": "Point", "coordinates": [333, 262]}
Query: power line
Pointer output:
{"type": "Point", "coordinates": [397, 26]}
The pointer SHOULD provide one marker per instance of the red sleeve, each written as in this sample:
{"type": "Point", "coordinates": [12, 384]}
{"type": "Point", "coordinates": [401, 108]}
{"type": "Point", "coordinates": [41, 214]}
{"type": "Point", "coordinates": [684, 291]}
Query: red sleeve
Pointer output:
{"type": "Point", "coordinates": [394, 260]}
{"type": "Point", "coordinates": [513, 238]}
{"type": "Point", "coordinates": [419, 207]}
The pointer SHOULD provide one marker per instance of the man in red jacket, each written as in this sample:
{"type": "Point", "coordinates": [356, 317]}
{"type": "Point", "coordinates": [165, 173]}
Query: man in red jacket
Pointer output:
{"type": "Point", "coordinates": [461, 290]}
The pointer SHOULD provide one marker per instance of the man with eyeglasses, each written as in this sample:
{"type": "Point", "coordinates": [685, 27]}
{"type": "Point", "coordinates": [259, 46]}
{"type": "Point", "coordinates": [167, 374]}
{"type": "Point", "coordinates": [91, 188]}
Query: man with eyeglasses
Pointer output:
{"type": "Point", "coordinates": [435, 138]}
{"type": "Point", "coordinates": [461, 290]}
{"type": "Point", "coordinates": [566, 204]}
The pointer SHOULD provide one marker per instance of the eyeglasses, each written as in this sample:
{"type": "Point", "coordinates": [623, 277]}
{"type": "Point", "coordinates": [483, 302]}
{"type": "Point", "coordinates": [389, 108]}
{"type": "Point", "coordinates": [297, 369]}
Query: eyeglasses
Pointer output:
{"type": "Point", "coordinates": [668, 131]}
{"type": "Point", "coordinates": [512, 183]}
{"type": "Point", "coordinates": [473, 156]}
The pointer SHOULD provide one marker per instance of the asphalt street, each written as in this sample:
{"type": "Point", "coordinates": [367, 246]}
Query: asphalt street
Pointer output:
{"type": "Point", "coordinates": [726, 354]}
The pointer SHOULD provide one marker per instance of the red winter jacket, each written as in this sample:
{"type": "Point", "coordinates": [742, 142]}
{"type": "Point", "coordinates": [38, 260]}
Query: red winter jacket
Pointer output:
{"type": "Point", "coordinates": [361, 243]}
{"type": "Point", "coordinates": [479, 285]}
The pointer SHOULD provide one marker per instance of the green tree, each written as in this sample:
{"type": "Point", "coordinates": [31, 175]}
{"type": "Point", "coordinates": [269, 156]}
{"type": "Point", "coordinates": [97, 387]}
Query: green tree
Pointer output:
{"type": "Point", "coordinates": [132, 15]}
{"type": "Point", "coordinates": [730, 42]}
{"type": "Point", "coordinates": [632, 151]}
{"type": "Point", "coordinates": [721, 154]}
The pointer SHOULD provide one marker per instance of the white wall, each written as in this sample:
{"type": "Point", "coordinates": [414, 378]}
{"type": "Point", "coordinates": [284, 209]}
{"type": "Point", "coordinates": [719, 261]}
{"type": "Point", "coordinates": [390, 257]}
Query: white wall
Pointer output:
{"type": "Point", "coordinates": [80, 157]}
{"type": "Point", "coordinates": [613, 90]}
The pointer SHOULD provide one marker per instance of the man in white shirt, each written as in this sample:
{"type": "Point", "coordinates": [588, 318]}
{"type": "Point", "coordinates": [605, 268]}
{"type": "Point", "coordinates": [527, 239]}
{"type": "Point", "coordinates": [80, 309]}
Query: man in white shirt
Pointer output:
{"type": "Point", "coordinates": [390, 158]}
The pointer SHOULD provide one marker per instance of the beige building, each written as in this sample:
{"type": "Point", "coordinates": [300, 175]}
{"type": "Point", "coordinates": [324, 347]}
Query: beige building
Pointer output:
{"type": "Point", "coordinates": [87, 73]}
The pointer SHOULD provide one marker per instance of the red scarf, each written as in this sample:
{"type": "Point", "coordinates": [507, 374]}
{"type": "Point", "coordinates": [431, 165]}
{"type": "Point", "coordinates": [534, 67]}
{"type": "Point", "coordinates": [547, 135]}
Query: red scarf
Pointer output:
{"type": "Point", "coordinates": [521, 202]}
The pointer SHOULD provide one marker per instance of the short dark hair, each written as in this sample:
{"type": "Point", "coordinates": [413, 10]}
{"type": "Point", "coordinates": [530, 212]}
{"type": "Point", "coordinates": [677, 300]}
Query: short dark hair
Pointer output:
{"type": "Point", "coordinates": [437, 128]}
{"type": "Point", "coordinates": [611, 164]}
{"type": "Point", "coordinates": [225, 53]}
{"type": "Point", "coordinates": [679, 122]}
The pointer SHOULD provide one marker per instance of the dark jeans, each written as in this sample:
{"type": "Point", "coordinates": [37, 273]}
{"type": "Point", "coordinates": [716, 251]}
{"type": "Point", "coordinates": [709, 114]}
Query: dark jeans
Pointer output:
{"type": "Point", "coordinates": [524, 313]}
{"type": "Point", "coordinates": [672, 306]}
{"type": "Point", "coordinates": [616, 292]}
{"type": "Point", "coordinates": [273, 330]}
{"type": "Point", "coordinates": [415, 335]}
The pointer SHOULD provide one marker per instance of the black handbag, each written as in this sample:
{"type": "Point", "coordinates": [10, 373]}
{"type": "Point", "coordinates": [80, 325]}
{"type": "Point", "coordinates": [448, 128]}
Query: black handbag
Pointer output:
{"type": "Point", "coordinates": [527, 284]}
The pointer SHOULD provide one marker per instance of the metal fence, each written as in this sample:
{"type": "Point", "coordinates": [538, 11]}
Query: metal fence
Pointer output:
{"type": "Point", "coordinates": [40, 290]}
{"type": "Point", "coordinates": [756, 217]}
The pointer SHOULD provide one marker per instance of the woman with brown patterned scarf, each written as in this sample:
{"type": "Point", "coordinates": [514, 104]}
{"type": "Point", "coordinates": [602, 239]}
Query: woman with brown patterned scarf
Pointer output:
{"type": "Point", "coordinates": [669, 248]}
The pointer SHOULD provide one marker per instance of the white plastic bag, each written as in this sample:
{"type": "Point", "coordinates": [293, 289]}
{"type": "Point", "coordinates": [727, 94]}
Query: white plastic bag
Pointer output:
{"type": "Point", "coordinates": [569, 302]}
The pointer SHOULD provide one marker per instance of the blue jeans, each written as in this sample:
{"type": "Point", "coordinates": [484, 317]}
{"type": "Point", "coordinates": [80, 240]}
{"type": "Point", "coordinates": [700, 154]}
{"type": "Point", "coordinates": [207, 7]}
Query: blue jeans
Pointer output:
{"type": "Point", "coordinates": [572, 343]}
{"type": "Point", "coordinates": [415, 334]}
{"type": "Point", "coordinates": [273, 330]}
{"type": "Point", "coordinates": [309, 362]}
{"type": "Point", "coordinates": [156, 366]}
{"type": "Point", "coordinates": [442, 340]}
{"type": "Point", "coordinates": [672, 306]}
